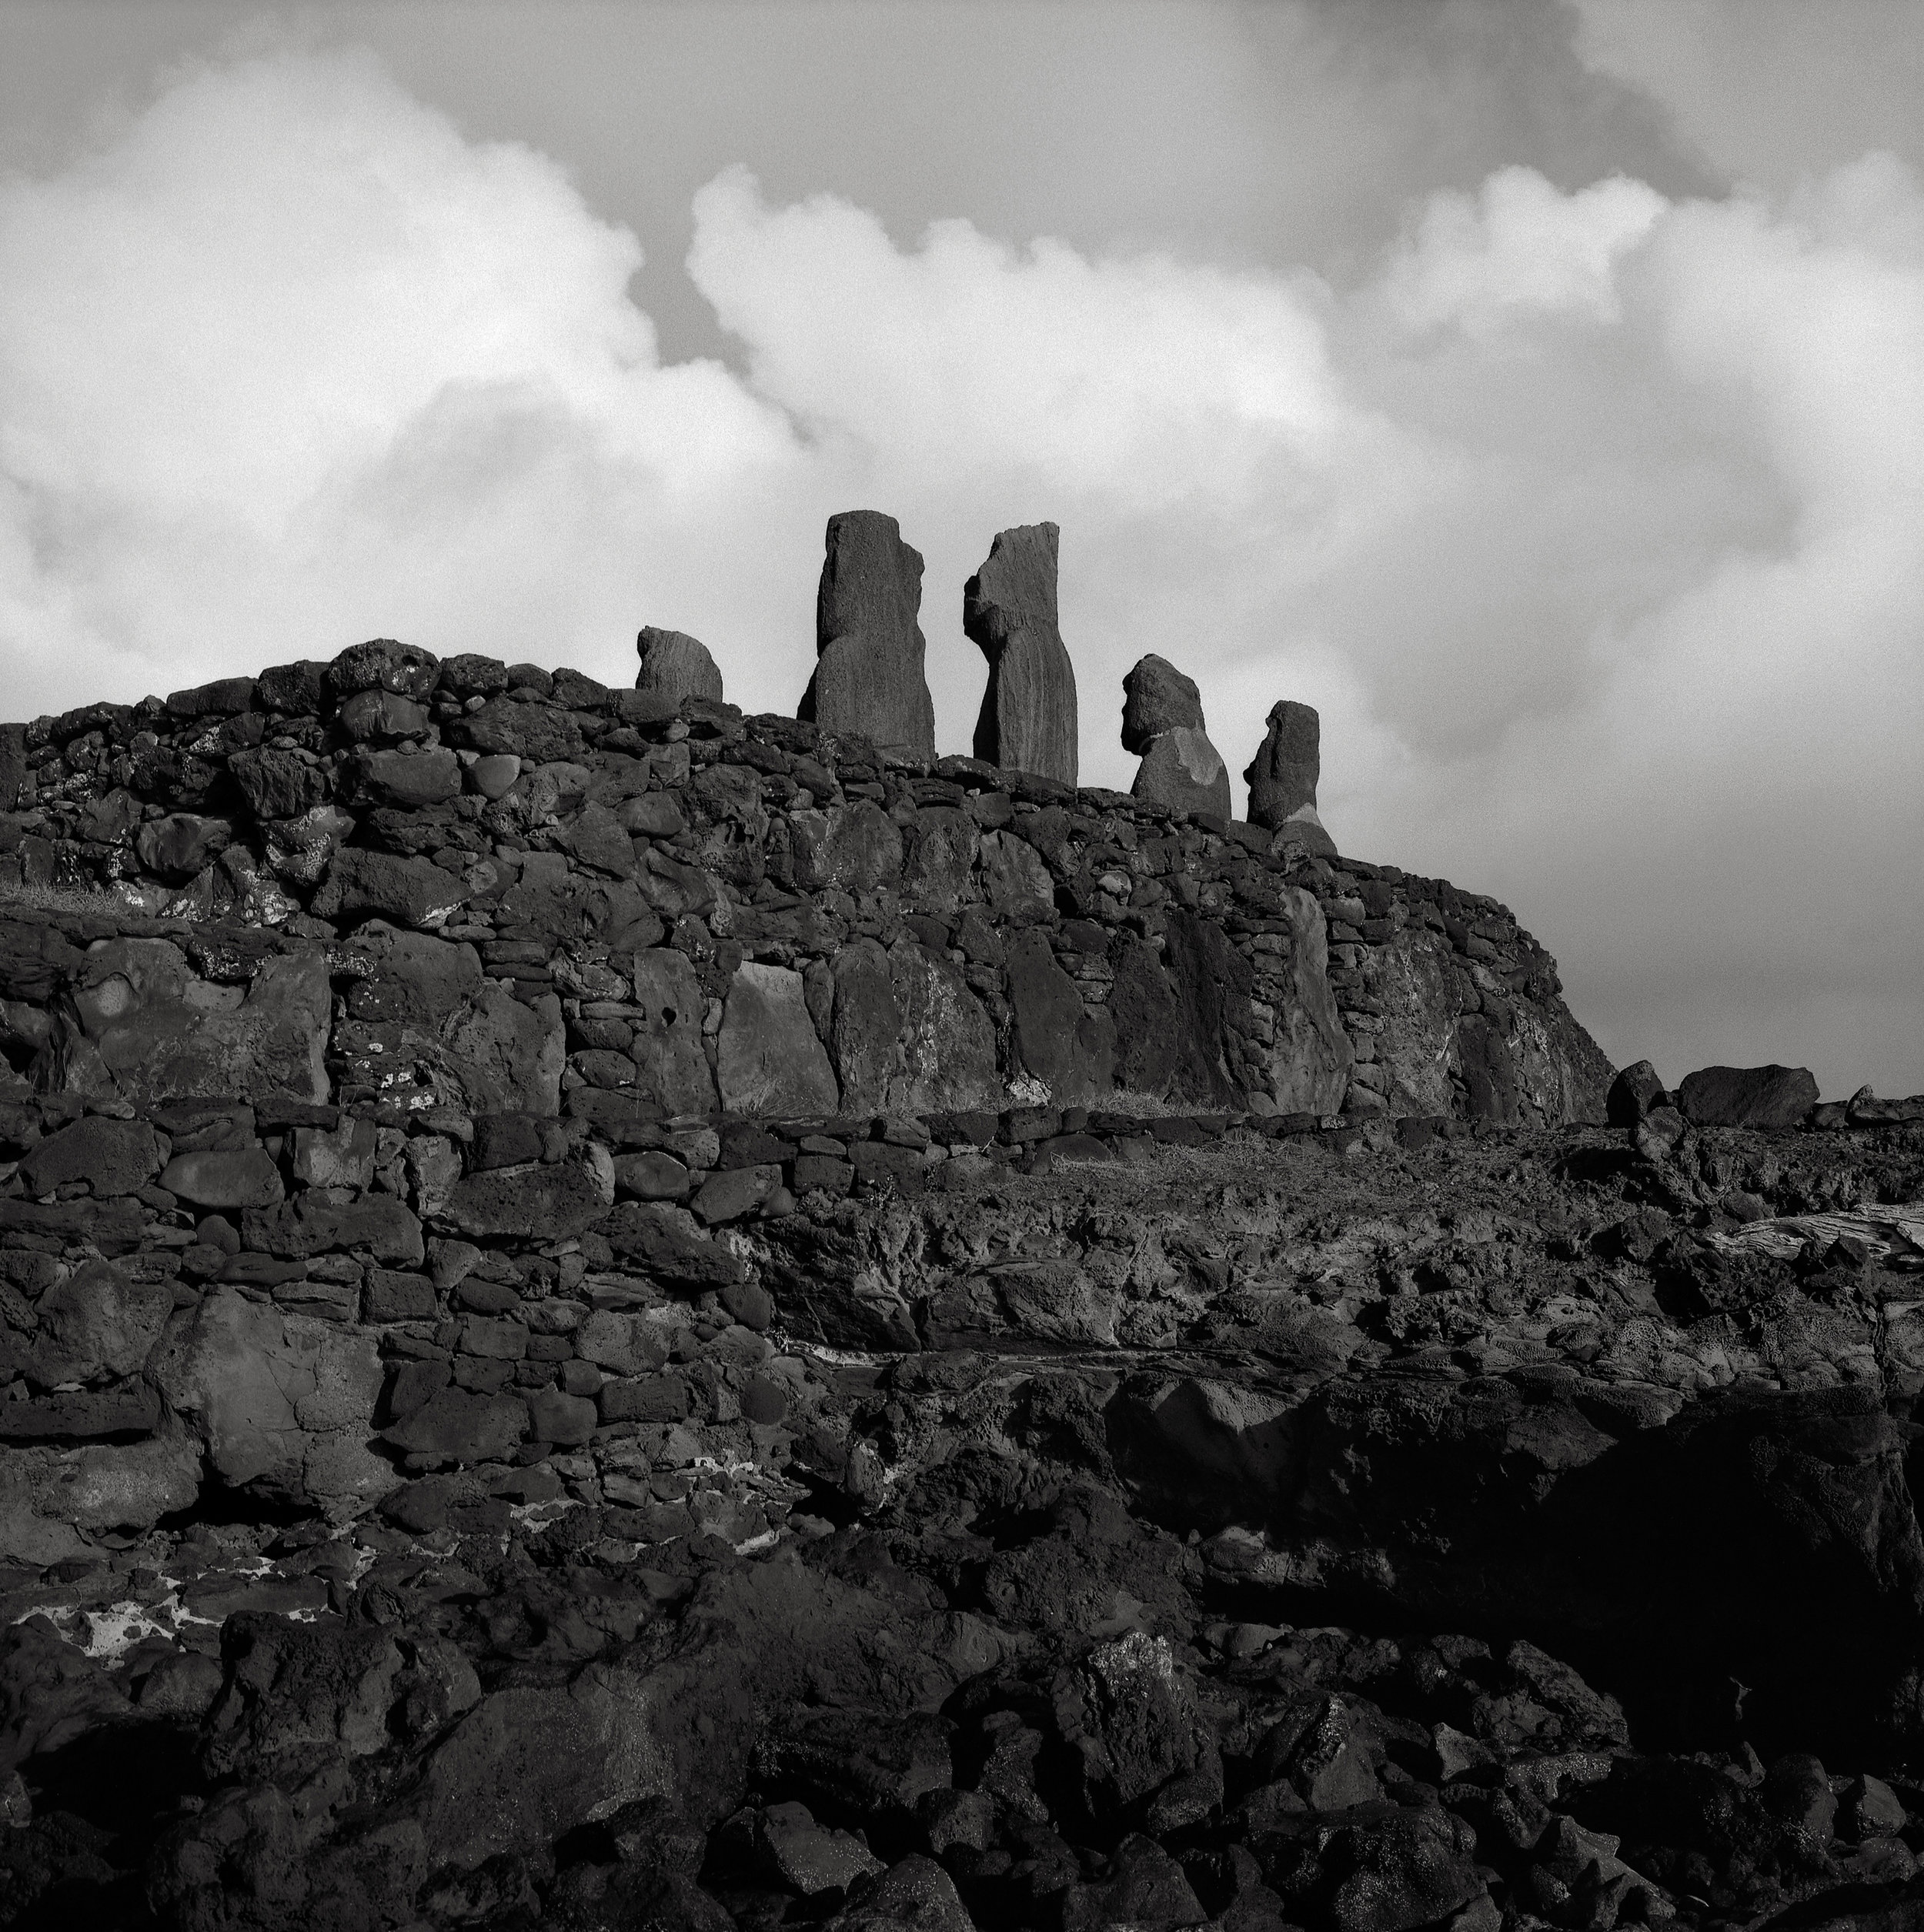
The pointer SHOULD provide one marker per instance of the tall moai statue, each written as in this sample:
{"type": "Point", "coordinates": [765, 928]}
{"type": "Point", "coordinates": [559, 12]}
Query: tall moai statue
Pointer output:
{"type": "Point", "coordinates": [675, 666]}
{"type": "Point", "coordinates": [870, 649]}
{"type": "Point", "coordinates": [1162, 722]}
{"type": "Point", "coordinates": [1283, 774]}
{"type": "Point", "coordinates": [1028, 718]}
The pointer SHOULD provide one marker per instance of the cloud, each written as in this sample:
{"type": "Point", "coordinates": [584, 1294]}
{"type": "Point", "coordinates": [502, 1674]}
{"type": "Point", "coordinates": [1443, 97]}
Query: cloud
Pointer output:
{"type": "Point", "coordinates": [1590, 518]}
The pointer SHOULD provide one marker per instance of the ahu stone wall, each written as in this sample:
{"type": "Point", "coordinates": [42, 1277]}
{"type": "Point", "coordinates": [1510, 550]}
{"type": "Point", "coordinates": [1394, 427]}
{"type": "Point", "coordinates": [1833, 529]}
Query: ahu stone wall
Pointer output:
{"type": "Point", "coordinates": [450, 1050]}
{"type": "Point", "coordinates": [621, 908]}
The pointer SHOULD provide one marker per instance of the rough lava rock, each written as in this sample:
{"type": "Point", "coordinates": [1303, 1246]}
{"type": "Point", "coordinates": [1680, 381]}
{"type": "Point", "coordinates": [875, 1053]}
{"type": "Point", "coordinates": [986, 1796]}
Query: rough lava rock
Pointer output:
{"type": "Point", "coordinates": [825, 1335]}
{"type": "Point", "coordinates": [1747, 1096]}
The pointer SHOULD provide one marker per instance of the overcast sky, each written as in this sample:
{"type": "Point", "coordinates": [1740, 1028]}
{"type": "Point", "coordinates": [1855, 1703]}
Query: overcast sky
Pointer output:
{"type": "Point", "coordinates": [1537, 388]}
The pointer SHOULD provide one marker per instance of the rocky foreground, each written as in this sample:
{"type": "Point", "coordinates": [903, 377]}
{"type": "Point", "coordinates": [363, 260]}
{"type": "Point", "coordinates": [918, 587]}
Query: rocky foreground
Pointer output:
{"type": "Point", "coordinates": [1511, 1529]}
{"type": "Point", "coordinates": [616, 1315]}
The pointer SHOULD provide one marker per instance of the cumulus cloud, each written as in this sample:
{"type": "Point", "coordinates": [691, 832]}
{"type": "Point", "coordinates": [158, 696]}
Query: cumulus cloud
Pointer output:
{"type": "Point", "coordinates": [1590, 520]}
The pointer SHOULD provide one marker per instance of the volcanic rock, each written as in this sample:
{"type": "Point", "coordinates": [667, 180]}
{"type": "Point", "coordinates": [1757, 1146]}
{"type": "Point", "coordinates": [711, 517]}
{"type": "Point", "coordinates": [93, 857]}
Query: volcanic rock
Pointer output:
{"type": "Point", "coordinates": [674, 666]}
{"type": "Point", "coordinates": [768, 1059]}
{"type": "Point", "coordinates": [1283, 775]}
{"type": "Point", "coordinates": [870, 650]}
{"type": "Point", "coordinates": [1028, 718]}
{"type": "Point", "coordinates": [1162, 720]}
{"type": "Point", "coordinates": [1747, 1096]}
{"type": "Point", "coordinates": [1634, 1094]}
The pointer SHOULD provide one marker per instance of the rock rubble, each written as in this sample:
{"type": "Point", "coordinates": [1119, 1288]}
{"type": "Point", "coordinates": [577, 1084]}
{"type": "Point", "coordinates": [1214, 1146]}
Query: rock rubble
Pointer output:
{"type": "Point", "coordinates": [618, 1315]}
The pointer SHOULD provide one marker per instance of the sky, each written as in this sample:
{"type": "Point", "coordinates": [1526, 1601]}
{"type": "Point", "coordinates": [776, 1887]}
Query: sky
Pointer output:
{"type": "Point", "coordinates": [1534, 386]}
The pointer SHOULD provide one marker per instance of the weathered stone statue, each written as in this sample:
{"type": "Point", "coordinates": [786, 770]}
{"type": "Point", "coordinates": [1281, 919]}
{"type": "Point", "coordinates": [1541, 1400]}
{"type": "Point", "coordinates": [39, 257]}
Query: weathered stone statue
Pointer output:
{"type": "Point", "coordinates": [1162, 721]}
{"type": "Point", "coordinates": [675, 666]}
{"type": "Point", "coordinates": [870, 649]}
{"type": "Point", "coordinates": [1028, 719]}
{"type": "Point", "coordinates": [1282, 776]}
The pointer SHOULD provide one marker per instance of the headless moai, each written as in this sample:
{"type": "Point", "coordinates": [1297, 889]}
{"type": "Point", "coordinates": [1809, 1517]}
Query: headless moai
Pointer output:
{"type": "Point", "coordinates": [1028, 718]}
{"type": "Point", "coordinates": [1162, 720]}
{"type": "Point", "coordinates": [868, 679]}
{"type": "Point", "coordinates": [675, 666]}
{"type": "Point", "coordinates": [1282, 777]}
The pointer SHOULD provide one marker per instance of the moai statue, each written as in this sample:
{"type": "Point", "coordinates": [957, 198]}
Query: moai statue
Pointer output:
{"type": "Point", "coordinates": [1282, 777]}
{"type": "Point", "coordinates": [1028, 720]}
{"type": "Point", "coordinates": [870, 649]}
{"type": "Point", "coordinates": [675, 666]}
{"type": "Point", "coordinates": [1162, 720]}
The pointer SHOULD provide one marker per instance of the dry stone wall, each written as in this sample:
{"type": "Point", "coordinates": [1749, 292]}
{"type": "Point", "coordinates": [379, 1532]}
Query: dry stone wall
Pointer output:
{"type": "Point", "coordinates": [422, 1042]}
{"type": "Point", "coordinates": [596, 1295]}
{"type": "Point", "coordinates": [558, 898]}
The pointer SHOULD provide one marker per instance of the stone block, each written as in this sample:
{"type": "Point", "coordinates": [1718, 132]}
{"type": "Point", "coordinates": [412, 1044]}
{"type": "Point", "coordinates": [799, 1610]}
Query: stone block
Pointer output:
{"type": "Point", "coordinates": [750, 1303]}
{"type": "Point", "coordinates": [650, 1176]}
{"type": "Point", "coordinates": [556, 1202]}
{"type": "Point", "coordinates": [101, 1321]}
{"type": "Point", "coordinates": [535, 733]}
{"type": "Point", "coordinates": [651, 1398]}
{"type": "Point", "coordinates": [494, 776]}
{"type": "Point", "coordinates": [622, 1344]}
{"type": "Point", "coordinates": [463, 1427]}
{"type": "Point", "coordinates": [410, 779]}
{"type": "Point", "coordinates": [339, 1156]}
{"type": "Point", "coordinates": [1070, 1049]}
{"type": "Point", "coordinates": [946, 1056]}
{"type": "Point", "coordinates": [112, 1157]}
{"type": "Point", "coordinates": [379, 717]}
{"type": "Point", "coordinates": [284, 1402]}
{"type": "Point", "coordinates": [384, 664]}
{"type": "Point", "coordinates": [506, 1140]}
{"type": "Point", "coordinates": [857, 847]}
{"type": "Point", "coordinates": [181, 844]}
{"type": "Point", "coordinates": [735, 1191]}
{"type": "Point", "coordinates": [277, 784]}
{"type": "Point", "coordinates": [391, 1296]}
{"type": "Point", "coordinates": [567, 1421]}
{"type": "Point", "coordinates": [769, 1059]}
{"type": "Point", "coordinates": [823, 1171]}
{"type": "Point", "coordinates": [494, 1338]}
{"type": "Point", "coordinates": [675, 666]}
{"type": "Point", "coordinates": [671, 1067]}
{"type": "Point", "coordinates": [1747, 1096]}
{"type": "Point", "coordinates": [230, 1178]}
{"type": "Point", "coordinates": [296, 1230]}
{"type": "Point", "coordinates": [362, 884]}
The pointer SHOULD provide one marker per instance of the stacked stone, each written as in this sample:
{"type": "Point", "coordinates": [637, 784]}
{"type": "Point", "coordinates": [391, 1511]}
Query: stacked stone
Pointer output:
{"type": "Point", "coordinates": [1083, 941]}
{"type": "Point", "coordinates": [1433, 985]}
